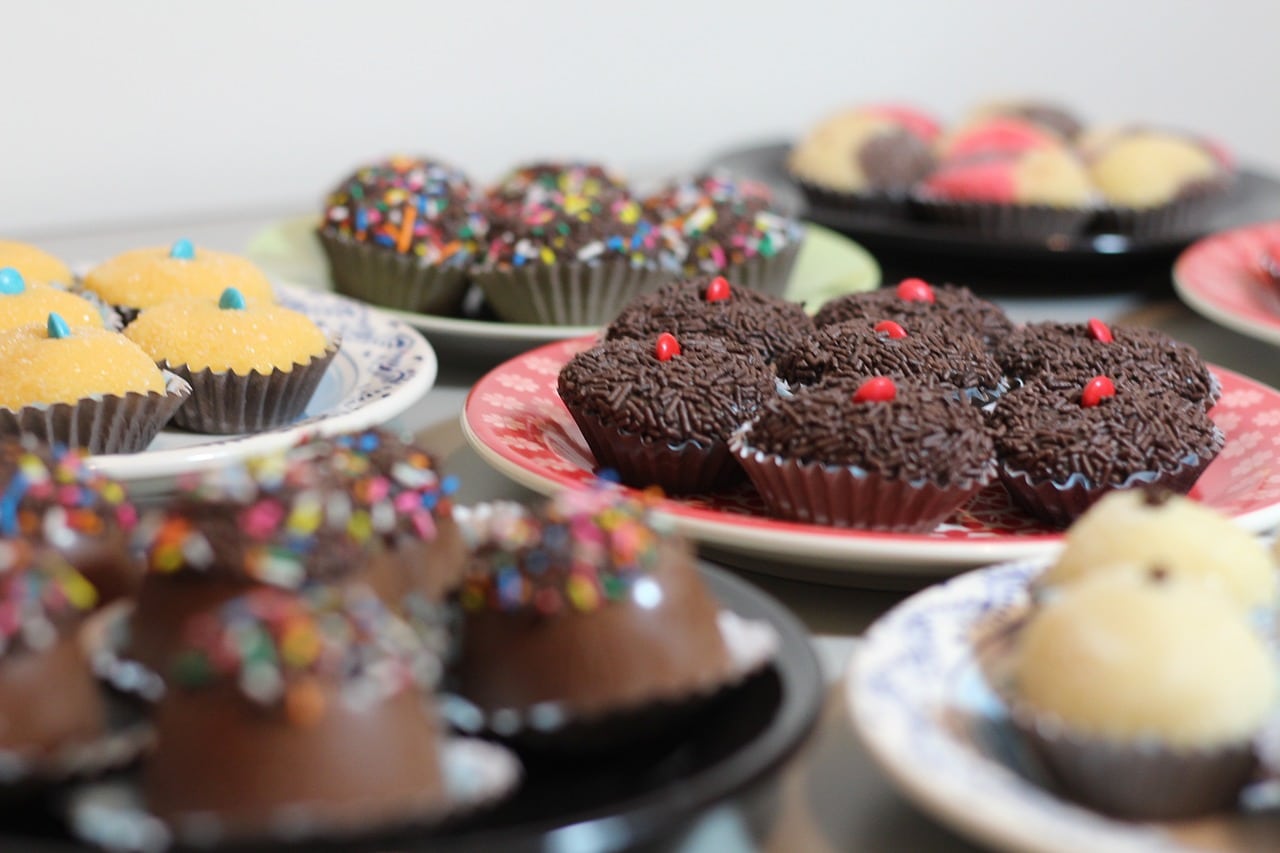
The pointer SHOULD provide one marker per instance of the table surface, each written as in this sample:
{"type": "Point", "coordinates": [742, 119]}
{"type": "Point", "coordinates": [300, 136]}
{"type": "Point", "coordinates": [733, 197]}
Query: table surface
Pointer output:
{"type": "Point", "coordinates": [830, 796]}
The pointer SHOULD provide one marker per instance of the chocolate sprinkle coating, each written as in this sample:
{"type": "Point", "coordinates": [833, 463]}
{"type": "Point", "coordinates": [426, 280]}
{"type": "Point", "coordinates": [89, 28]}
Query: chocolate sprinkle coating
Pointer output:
{"type": "Point", "coordinates": [953, 308]}
{"type": "Point", "coordinates": [924, 433]}
{"type": "Point", "coordinates": [854, 351]}
{"type": "Point", "coordinates": [1047, 434]}
{"type": "Point", "coordinates": [765, 323]}
{"type": "Point", "coordinates": [701, 395]}
{"type": "Point", "coordinates": [1066, 356]}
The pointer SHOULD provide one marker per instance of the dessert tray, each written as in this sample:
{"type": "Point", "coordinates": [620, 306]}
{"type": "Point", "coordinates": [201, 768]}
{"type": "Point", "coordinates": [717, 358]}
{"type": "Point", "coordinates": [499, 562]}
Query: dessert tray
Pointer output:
{"type": "Point", "coordinates": [1219, 277]}
{"type": "Point", "coordinates": [629, 799]}
{"type": "Point", "coordinates": [919, 701]}
{"type": "Point", "coordinates": [383, 368]}
{"type": "Point", "coordinates": [515, 421]}
{"type": "Point", "coordinates": [828, 265]}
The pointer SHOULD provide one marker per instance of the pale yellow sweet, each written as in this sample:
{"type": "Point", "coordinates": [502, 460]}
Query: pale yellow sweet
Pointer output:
{"type": "Point", "coordinates": [1052, 175]}
{"type": "Point", "coordinates": [1182, 536]}
{"type": "Point", "coordinates": [146, 277]}
{"type": "Point", "coordinates": [35, 368]}
{"type": "Point", "coordinates": [35, 264]}
{"type": "Point", "coordinates": [1147, 168]}
{"type": "Point", "coordinates": [36, 301]}
{"type": "Point", "coordinates": [826, 155]}
{"type": "Point", "coordinates": [199, 334]}
{"type": "Point", "coordinates": [1123, 657]}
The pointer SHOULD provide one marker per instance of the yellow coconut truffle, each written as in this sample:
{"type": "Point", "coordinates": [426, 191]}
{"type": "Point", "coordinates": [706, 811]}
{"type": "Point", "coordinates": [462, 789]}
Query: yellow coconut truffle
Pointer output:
{"type": "Point", "coordinates": [1132, 656]}
{"type": "Point", "coordinates": [1182, 536]}
{"type": "Point", "coordinates": [36, 265]}
{"type": "Point", "coordinates": [1054, 176]}
{"type": "Point", "coordinates": [53, 363]}
{"type": "Point", "coordinates": [867, 148]}
{"type": "Point", "coordinates": [23, 303]}
{"type": "Point", "coordinates": [1147, 168]}
{"type": "Point", "coordinates": [146, 277]}
{"type": "Point", "coordinates": [227, 333]}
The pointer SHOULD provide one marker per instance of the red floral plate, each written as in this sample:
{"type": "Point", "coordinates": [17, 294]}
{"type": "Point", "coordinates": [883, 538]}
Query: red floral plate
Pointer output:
{"type": "Point", "coordinates": [515, 421]}
{"type": "Point", "coordinates": [1221, 278]}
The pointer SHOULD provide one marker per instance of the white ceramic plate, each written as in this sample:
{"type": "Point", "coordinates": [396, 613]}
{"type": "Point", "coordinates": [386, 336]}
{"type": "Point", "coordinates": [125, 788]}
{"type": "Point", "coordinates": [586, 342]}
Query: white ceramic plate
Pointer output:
{"type": "Point", "coordinates": [921, 705]}
{"type": "Point", "coordinates": [828, 265]}
{"type": "Point", "coordinates": [383, 368]}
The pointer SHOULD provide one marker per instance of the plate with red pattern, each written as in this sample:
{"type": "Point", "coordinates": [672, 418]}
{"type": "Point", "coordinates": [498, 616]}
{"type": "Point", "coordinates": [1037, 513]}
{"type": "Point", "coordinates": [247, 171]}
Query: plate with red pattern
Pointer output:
{"type": "Point", "coordinates": [515, 421]}
{"type": "Point", "coordinates": [1225, 278]}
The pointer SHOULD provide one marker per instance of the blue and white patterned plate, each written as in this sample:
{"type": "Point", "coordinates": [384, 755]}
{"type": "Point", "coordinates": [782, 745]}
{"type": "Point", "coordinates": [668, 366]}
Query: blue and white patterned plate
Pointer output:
{"type": "Point", "coordinates": [383, 368]}
{"type": "Point", "coordinates": [922, 706]}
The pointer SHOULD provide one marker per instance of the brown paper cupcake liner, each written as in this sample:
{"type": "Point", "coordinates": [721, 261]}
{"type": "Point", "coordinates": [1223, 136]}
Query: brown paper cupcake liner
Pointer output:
{"type": "Point", "coordinates": [107, 423]}
{"type": "Point", "coordinates": [845, 496]}
{"type": "Point", "coordinates": [1140, 780]}
{"type": "Point", "coordinates": [382, 276]}
{"type": "Point", "coordinates": [224, 402]}
{"type": "Point", "coordinates": [1184, 216]}
{"type": "Point", "coordinates": [1025, 222]}
{"type": "Point", "coordinates": [769, 275]}
{"type": "Point", "coordinates": [566, 294]}
{"type": "Point", "coordinates": [1060, 503]}
{"type": "Point", "coordinates": [686, 468]}
{"type": "Point", "coordinates": [880, 205]}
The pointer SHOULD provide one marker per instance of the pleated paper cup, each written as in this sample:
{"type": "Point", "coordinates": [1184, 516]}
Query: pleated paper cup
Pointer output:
{"type": "Point", "coordinates": [1005, 222]}
{"type": "Point", "coordinates": [225, 402]}
{"type": "Point", "coordinates": [847, 496]}
{"type": "Point", "coordinates": [875, 205]}
{"type": "Point", "coordinates": [566, 294]}
{"type": "Point", "coordinates": [768, 275]}
{"type": "Point", "coordinates": [1185, 216]}
{"type": "Point", "coordinates": [382, 276]}
{"type": "Point", "coordinates": [103, 423]}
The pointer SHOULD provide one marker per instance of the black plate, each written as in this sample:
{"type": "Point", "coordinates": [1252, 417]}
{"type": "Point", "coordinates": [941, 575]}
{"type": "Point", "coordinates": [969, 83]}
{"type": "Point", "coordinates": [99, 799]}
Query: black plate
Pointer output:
{"type": "Point", "coordinates": [1089, 263]}
{"type": "Point", "coordinates": [622, 802]}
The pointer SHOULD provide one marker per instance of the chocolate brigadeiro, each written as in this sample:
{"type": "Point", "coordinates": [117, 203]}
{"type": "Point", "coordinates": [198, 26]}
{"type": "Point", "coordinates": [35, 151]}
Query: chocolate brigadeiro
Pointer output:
{"type": "Point", "coordinates": [712, 307]}
{"type": "Point", "coordinates": [659, 411]}
{"type": "Point", "coordinates": [1060, 450]}
{"type": "Point", "coordinates": [49, 495]}
{"type": "Point", "coordinates": [553, 177]}
{"type": "Point", "coordinates": [881, 454]}
{"type": "Point", "coordinates": [858, 349]}
{"type": "Point", "coordinates": [916, 304]}
{"type": "Point", "coordinates": [1066, 355]}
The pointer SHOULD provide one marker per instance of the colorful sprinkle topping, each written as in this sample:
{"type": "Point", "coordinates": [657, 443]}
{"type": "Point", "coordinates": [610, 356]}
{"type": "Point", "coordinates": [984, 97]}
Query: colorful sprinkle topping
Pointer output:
{"type": "Point", "coordinates": [877, 389]}
{"type": "Point", "coordinates": [11, 282]}
{"type": "Point", "coordinates": [890, 329]}
{"type": "Point", "coordinates": [38, 591]}
{"type": "Point", "coordinates": [282, 649]}
{"type": "Point", "coordinates": [550, 228]}
{"type": "Point", "coordinates": [718, 289]}
{"type": "Point", "coordinates": [231, 300]}
{"type": "Point", "coordinates": [666, 347]}
{"type": "Point", "coordinates": [182, 250]}
{"type": "Point", "coordinates": [915, 290]}
{"type": "Point", "coordinates": [413, 206]}
{"type": "Point", "coordinates": [1099, 331]}
{"type": "Point", "coordinates": [1096, 390]}
{"type": "Point", "coordinates": [57, 327]}
{"type": "Point", "coordinates": [547, 178]}
{"type": "Point", "coordinates": [580, 551]}
{"type": "Point", "coordinates": [711, 222]}
{"type": "Point", "coordinates": [51, 495]}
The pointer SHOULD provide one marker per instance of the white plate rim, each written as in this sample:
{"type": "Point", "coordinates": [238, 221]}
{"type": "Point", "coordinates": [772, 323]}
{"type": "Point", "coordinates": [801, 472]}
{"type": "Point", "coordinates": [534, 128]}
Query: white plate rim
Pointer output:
{"type": "Point", "coordinates": [149, 464]}
{"type": "Point", "coordinates": [957, 785]}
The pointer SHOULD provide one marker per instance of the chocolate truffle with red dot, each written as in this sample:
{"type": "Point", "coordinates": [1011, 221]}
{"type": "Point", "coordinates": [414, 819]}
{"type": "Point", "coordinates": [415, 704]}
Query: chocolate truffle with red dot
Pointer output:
{"type": "Point", "coordinates": [1060, 449]}
{"type": "Point", "coordinates": [915, 304]}
{"type": "Point", "coordinates": [709, 306]}
{"type": "Point", "coordinates": [658, 410]}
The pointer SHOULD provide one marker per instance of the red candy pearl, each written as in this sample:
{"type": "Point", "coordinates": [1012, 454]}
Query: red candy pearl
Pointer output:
{"type": "Point", "coordinates": [1100, 331]}
{"type": "Point", "coordinates": [718, 289]}
{"type": "Point", "coordinates": [915, 290]}
{"type": "Point", "coordinates": [1096, 390]}
{"type": "Point", "coordinates": [877, 389]}
{"type": "Point", "coordinates": [890, 328]}
{"type": "Point", "coordinates": [667, 347]}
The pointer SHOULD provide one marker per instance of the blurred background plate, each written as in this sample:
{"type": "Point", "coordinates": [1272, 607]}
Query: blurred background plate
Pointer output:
{"type": "Point", "coordinates": [1219, 277]}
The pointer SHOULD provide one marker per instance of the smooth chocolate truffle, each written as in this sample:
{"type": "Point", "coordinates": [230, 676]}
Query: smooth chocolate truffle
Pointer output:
{"type": "Point", "coordinates": [49, 495]}
{"type": "Point", "coordinates": [49, 697]}
{"type": "Point", "coordinates": [709, 306]}
{"type": "Point", "coordinates": [584, 604]}
{"type": "Point", "coordinates": [293, 706]}
{"type": "Point", "coordinates": [916, 304]}
{"type": "Point", "coordinates": [855, 350]}
{"type": "Point", "coordinates": [1066, 355]}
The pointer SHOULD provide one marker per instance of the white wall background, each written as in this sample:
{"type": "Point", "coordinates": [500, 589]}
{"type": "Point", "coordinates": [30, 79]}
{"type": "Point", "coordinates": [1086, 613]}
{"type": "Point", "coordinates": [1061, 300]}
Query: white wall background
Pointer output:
{"type": "Point", "coordinates": [141, 111]}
